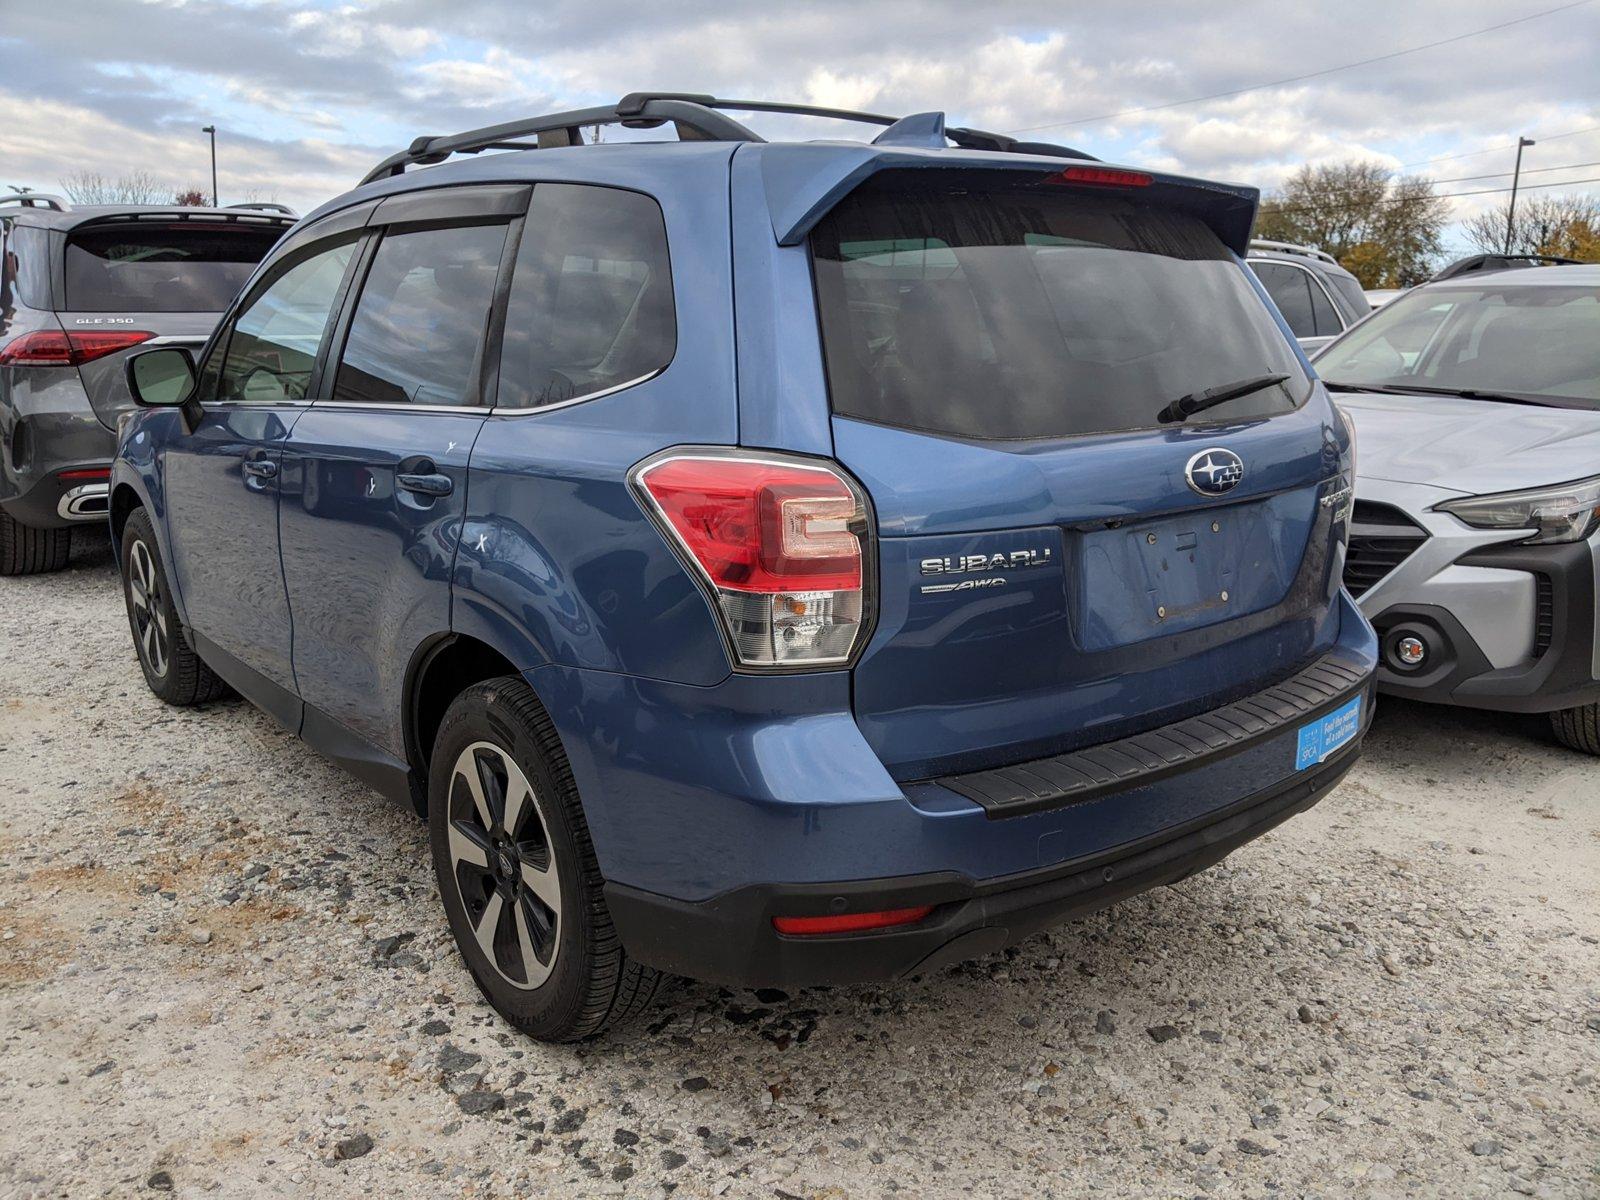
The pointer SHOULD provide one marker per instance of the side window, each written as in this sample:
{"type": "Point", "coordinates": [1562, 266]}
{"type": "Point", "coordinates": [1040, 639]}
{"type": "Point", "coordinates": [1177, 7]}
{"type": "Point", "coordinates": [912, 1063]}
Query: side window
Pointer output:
{"type": "Point", "coordinates": [29, 256]}
{"type": "Point", "coordinates": [591, 299]}
{"type": "Point", "coordinates": [1323, 315]}
{"type": "Point", "coordinates": [1290, 291]}
{"type": "Point", "coordinates": [273, 345]}
{"type": "Point", "coordinates": [417, 335]}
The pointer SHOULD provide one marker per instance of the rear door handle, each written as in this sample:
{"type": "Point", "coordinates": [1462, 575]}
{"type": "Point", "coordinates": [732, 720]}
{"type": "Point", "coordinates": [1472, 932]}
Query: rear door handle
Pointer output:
{"type": "Point", "coordinates": [261, 468]}
{"type": "Point", "coordinates": [426, 485]}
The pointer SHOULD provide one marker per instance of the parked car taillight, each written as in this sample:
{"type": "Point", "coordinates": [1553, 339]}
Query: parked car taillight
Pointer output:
{"type": "Point", "coordinates": [58, 348]}
{"type": "Point", "coordinates": [779, 542]}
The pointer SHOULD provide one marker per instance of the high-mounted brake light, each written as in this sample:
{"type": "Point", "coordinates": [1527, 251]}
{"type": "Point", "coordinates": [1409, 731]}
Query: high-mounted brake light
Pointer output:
{"type": "Point", "coordinates": [780, 545]}
{"type": "Point", "coordinates": [851, 922]}
{"type": "Point", "coordinates": [58, 348]}
{"type": "Point", "coordinates": [1101, 177]}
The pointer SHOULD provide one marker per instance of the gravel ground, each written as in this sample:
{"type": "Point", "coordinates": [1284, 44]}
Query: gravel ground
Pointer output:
{"type": "Point", "coordinates": [224, 972]}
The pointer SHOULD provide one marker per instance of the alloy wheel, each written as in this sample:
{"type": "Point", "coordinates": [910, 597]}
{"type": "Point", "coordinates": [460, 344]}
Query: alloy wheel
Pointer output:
{"type": "Point", "coordinates": [504, 868]}
{"type": "Point", "coordinates": [149, 609]}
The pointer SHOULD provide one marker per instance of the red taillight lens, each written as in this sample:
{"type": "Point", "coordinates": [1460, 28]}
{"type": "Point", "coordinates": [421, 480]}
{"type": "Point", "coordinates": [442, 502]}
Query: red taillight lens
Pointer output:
{"type": "Point", "coordinates": [780, 544]}
{"type": "Point", "coordinates": [58, 348]}
{"type": "Point", "coordinates": [850, 922]}
{"type": "Point", "coordinates": [1101, 177]}
{"type": "Point", "coordinates": [84, 474]}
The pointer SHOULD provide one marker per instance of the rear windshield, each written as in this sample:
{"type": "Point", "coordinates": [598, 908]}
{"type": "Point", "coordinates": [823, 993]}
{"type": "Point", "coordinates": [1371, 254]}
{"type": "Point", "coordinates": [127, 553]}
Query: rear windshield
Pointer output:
{"type": "Point", "coordinates": [162, 268]}
{"type": "Point", "coordinates": [1526, 340]}
{"type": "Point", "coordinates": [1029, 314]}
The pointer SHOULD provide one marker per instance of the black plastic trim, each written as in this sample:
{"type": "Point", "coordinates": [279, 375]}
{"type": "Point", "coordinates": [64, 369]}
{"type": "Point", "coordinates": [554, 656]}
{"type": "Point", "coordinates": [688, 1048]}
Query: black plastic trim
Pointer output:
{"type": "Point", "coordinates": [1144, 758]}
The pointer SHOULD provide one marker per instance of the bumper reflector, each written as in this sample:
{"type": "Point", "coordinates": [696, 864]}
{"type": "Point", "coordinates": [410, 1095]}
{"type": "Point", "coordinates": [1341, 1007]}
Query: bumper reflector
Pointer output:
{"type": "Point", "coordinates": [851, 922]}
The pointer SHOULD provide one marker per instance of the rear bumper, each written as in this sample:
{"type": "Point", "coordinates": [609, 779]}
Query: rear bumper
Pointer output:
{"type": "Point", "coordinates": [731, 939]}
{"type": "Point", "coordinates": [712, 809]}
{"type": "Point", "coordinates": [55, 503]}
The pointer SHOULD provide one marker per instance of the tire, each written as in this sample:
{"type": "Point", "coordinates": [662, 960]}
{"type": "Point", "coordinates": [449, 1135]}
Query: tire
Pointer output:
{"type": "Point", "coordinates": [550, 962]}
{"type": "Point", "coordinates": [172, 669]}
{"type": "Point", "coordinates": [1578, 728]}
{"type": "Point", "coordinates": [25, 550]}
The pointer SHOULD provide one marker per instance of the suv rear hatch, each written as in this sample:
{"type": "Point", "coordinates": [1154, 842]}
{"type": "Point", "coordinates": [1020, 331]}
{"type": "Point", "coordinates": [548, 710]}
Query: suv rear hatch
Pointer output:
{"type": "Point", "coordinates": [133, 278]}
{"type": "Point", "coordinates": [1061, 563]}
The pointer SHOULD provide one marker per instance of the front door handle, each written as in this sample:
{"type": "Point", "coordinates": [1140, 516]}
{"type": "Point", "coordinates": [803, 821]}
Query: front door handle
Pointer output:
{"type": "Point", "coordinates": [261, 468]}
{"type": "Point", "coordinates": [426, 484]}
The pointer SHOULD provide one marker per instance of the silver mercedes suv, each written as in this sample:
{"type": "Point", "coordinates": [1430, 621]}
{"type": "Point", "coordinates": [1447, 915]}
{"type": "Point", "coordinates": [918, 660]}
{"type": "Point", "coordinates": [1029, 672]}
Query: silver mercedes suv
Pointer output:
{"type": "Point", "coordinates": [79, 289]}
{"type": "Point", "coordinates": [1475, 548]}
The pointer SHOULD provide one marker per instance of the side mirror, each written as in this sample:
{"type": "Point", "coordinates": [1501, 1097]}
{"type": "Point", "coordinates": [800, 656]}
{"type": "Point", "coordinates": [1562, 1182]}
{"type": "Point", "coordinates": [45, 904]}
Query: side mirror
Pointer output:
{"type": "Point", "coordinates": [162, 378]}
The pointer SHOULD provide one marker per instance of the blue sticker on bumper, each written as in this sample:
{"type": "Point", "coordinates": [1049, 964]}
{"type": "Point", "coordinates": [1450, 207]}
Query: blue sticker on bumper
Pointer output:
{"type": "Point", "coordinates": [1326, 734]}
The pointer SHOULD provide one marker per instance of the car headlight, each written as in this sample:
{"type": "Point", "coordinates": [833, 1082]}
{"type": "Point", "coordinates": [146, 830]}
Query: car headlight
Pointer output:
{"type": "Point", "coordinates": [1567, 512]}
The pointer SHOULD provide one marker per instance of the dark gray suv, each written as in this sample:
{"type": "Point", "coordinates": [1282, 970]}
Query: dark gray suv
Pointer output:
{"type": "Point", "coordinates": [79, 288]}
{"type": "Point", "coordinates": [1317, 297]}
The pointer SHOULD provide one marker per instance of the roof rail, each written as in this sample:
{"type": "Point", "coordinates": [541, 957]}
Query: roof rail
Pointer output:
{"type": "Point", "coordinates": [1292, 248]}
{"type": "Point", "coordinates": [267, 206]}
{"type": "Point", "coordinates": [1500, 262]}
{"type": "Point", "coordinates": [37, 200]}
{"type": "Point", "coordinates": [697, 117]}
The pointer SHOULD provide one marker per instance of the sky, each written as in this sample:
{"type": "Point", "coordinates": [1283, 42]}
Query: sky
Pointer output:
{"type": "Point", "coordinates": [308, 95]}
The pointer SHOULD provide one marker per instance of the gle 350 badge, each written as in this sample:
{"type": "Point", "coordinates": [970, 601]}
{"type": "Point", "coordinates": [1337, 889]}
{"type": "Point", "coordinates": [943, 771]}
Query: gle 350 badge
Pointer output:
{"type": "Point", "coordinates": [979, 569]}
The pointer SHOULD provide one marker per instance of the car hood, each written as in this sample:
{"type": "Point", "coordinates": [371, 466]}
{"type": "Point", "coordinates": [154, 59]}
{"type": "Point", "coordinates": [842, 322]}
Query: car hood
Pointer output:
{"type": "Point", "coordinates": [1470, 446]}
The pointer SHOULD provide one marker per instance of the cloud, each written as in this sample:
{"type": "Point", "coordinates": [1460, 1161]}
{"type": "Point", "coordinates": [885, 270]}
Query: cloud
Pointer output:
{"type": "Point", "coordinates": [310, 94]}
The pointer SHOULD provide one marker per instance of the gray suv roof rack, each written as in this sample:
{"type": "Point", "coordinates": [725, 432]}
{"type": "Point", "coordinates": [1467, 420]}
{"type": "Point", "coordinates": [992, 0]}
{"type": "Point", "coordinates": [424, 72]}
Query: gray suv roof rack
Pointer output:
{"type": "Point", "coordinates": [1499, 262]}
{"type": "Point", "coordinates": [1292, 248]}
{"type": "Point", "coordinates": [696, 117]}
{"type": "Point", "coordinates": [37, 200]}
{"type": "Point", "coordinates": [267, 206]}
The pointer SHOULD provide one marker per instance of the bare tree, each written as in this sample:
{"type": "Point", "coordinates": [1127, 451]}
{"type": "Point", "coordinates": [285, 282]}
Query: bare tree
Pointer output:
{"type": "Point", "coordinates": [138, 187]}
{"type": "Point", "coordinates": [1563, 225]}
{"type": "Point", "coordinates": [1386, 231]}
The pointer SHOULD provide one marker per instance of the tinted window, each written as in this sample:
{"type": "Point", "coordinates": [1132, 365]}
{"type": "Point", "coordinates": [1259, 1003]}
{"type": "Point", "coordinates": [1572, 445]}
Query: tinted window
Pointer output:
{"type": "Point", "coordinates": [27, 267]}
{"type": "Point", "coordinates": [591, 300]}
{"type": "Point", "coordinates": [140, 267]}
{"type": "Point", "coordinates": [1290, 289]}
{"type": "Point", "coordinates": [1349, 288]}
{"type": "Point", "coordinates": [1323, 315]}
{"type": "Point", "coordinates": [1535, 341]}
{"type": "Point", "coordinates": [418, 331]}
{"type": "Point", "coordinates": [1035, 314]}
{"type": "Point", "coordinates": [274, 342]}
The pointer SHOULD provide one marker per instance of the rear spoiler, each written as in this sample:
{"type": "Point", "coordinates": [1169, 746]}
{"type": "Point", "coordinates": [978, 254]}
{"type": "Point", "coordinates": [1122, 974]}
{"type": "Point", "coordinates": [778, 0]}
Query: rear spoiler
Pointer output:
{"type": "Point", "coordinates": [804, 180]}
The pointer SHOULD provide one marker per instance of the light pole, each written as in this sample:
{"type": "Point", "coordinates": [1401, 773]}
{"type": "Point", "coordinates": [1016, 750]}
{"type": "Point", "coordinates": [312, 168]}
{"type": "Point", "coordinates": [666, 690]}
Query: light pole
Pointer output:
{"type": "Point", "coordinates": [212, 130]}
{"type": "Point", "coordinates": [1516, 174]}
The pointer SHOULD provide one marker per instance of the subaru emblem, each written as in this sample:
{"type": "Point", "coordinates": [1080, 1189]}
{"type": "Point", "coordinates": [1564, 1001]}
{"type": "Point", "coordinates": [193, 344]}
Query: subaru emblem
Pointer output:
{"type": "Point", "coordinates": [1215, 471]}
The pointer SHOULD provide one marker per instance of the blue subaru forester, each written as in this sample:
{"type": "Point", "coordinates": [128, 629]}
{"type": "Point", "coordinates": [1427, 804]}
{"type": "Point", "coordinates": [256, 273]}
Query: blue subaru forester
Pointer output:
{"type": "Point", "coordinates": [774, 563]}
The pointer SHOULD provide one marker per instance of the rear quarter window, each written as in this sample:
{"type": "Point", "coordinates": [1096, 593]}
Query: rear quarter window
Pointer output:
{"type": "Point", "coordinates": [148, 267]}
{"type": "Point", "coordinates": [27, 266]}
{"type": "Point", "coordinates": [1033, 314]}
{"type": "Point", "coordinates": [591, 305]}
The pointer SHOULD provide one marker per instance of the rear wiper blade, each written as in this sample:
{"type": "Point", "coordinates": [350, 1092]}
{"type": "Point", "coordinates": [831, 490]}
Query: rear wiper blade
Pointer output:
{"type": "Point", "coordinates": [1194, 402]}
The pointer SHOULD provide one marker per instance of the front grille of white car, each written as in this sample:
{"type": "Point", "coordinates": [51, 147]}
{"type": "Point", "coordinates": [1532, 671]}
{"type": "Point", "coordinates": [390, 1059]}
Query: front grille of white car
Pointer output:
{"type": "Point", "coordinates": [1381, 538]}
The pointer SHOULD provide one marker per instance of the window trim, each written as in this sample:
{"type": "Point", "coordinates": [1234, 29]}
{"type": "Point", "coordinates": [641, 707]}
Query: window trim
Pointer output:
{"type": "Point", "coordinates": [1312, 276]}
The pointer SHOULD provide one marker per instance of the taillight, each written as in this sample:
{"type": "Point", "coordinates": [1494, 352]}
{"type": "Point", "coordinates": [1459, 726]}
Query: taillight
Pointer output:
{"type": "Point", "coordinates": [58, 348]}
{"type": "Point", "coordinates": [780, 544]}
{"type": "Point", "coordinates": [1101, 177]}
{"type": "Point", "coordinates": [84, 475]}
{"type": "Point", "coordinates": [850, 922]}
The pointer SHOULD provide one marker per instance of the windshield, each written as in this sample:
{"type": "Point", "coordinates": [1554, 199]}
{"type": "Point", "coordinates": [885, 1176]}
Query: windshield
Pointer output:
{"type": "Point", "coordinates": [1033, 314]}
{"type": "Point", "coordinates": [144, 267]}
{"type": "Point", "coordinates": [1533, 341]}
